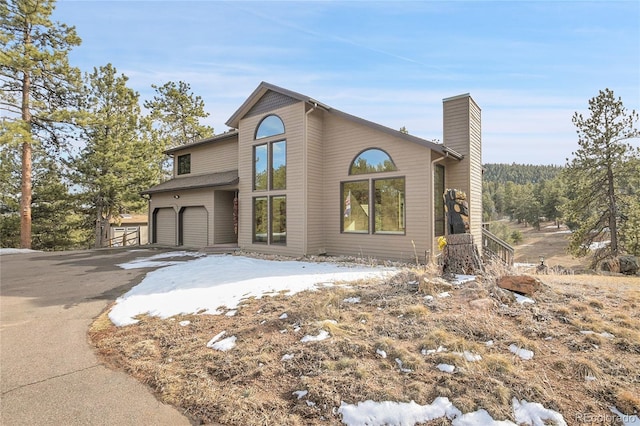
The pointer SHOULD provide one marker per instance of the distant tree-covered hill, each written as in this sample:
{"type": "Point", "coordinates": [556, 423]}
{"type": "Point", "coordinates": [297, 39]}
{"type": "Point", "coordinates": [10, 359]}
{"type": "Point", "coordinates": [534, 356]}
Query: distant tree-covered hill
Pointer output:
{"type": "Point", "coordinates": [519, 173]}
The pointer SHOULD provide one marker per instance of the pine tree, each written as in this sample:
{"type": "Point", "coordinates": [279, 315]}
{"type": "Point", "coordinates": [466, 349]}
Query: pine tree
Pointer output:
{"type": "Point", "coordinates": [39, 87]}
{"type": "Point", "coordinates": [597, 174]}
{"type": "Point", "coordinates": [175, 113]}
{"type": "Point", "coordinates": [57, 223]}
{"type": "Point", "coordinates": [119, 159]}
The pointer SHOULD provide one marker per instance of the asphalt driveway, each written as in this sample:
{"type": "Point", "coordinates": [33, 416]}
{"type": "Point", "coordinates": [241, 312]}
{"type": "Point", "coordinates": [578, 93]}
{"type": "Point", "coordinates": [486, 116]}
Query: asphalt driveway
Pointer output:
{"type": "Point", "coordinates": [49, 374]}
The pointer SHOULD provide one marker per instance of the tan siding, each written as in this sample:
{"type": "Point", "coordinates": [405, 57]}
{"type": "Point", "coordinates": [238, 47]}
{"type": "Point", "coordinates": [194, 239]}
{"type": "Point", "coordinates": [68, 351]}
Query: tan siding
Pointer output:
{"type": "Point", "coordinates": [293, 118]}
{"type": "Point", "coordinates": [223, 218]}
{"type": "Point", "coordinates": [216, 157]}
{"type": "Point", "coordinates": [462, 132]}
{"type": "Point", "coordinates": [315, 179]}
{"type": "Point", "coordinates": [343, 140]}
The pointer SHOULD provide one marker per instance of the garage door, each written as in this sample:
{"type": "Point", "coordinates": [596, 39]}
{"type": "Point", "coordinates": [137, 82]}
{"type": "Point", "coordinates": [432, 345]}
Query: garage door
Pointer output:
{"type": "Point", "coordinates": [194, 227]}
{"type": "Point", "coordinates": [165, 226]}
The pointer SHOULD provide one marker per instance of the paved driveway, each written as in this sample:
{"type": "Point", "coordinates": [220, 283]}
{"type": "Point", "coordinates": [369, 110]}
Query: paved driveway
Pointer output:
{"type": "Point", "coordinates": [49, 374]}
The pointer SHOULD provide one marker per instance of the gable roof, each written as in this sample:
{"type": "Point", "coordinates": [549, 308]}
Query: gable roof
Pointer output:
{"type": "Point", "coordinates": [265, 87]}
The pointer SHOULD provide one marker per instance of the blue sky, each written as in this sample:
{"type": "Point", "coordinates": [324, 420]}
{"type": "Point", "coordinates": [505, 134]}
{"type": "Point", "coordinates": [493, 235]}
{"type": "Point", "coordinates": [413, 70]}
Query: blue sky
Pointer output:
{"type": "Point", "coordinates": [528, 64]}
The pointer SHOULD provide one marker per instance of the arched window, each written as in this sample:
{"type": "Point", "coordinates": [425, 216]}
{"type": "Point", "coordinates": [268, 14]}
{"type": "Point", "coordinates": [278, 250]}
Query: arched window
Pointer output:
{"type": "Point", "coordinates": [271, 125]}
{"type": "Point", "coordinates": [373, 204]}
{"type": "Point", "coordinates": [371, 161]}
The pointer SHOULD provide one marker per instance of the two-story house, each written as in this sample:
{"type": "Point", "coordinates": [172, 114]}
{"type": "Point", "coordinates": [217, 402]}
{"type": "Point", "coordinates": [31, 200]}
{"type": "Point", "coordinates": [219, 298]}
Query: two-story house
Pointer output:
{"type": "Point", "coordinates": [297, 177]}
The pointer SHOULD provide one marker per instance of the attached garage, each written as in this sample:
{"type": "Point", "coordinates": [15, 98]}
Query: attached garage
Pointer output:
{"type": "Point", "coordinates": [194, 227]}
{"type": "Point", "coordinates": [164, 226]}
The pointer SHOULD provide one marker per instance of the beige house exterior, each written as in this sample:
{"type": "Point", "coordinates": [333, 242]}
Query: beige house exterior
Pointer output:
{"type": "Point", "coordinates": [297, 177]}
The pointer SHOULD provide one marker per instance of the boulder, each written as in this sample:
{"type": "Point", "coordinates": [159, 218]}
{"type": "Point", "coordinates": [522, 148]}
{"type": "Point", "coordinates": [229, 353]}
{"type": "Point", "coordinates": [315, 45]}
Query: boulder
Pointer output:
{"type": "Point", "coordinates": [520, 283]}
{"type": "Point", "coordinates": [629, 265]}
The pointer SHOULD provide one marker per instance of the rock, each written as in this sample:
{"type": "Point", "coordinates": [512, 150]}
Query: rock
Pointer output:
{"type": "Point", "coordinates": [483, 304]}
{"type": "Point", "coordinates": [629, 265]}
{"type": "Point", "coordinates": [520, 283]}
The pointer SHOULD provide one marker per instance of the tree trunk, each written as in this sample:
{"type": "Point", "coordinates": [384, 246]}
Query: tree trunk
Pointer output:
{"type": "Point", "coordinates": [25, 199]}
{"type": "Point", "coordinates": [26, 196]}
{"type": "Point", "coordinates": [98, 233]}
{"type": "Point", "coordinates": [613, 229]}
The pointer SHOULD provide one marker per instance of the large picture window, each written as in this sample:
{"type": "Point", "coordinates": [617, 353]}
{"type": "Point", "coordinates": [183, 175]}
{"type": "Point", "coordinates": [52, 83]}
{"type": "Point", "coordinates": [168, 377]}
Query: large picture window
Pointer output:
{"type": "Point", "coordinates": [270, 166]}
{"type": "Point", "coordinates": [389, 211]}
{"type": "Point", "coordinates": [373, 205]}
{"type": "Point", "coordinates": [356, 206]}
{"type": "Point", "coordinates": [272, 231]}
{"type": "Point", "coordinates": [278, 219]}
{"type": "Point", "coordinates": [260, 220]}
{"type": "Point", "coordinates": [270, 183]}
{"type": "Point", "coordinates": [184, 164]}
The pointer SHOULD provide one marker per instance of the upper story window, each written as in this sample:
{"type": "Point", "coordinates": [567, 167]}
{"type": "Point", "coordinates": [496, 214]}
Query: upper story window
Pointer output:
{"type": "Point", "coordinates": [271, 125]}
{"type": "Point", "coordinates": [184, 164]}
{"type": "Point", "coordinates": [371, 161]}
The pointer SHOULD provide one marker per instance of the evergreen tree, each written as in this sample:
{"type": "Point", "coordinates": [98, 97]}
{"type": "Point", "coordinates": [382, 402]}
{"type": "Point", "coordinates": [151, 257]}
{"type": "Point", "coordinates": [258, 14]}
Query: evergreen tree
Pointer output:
{"type": "Point", "coordinates": [38, 86]}
{"type": "Point", "coordinates": [9, 195]}
{"type": "Point", "coordinates": [119, 159]}
{"type": "Point", "coordinates": [596, 177]}
{"type": "Point", "coordinates": [175, 113]}
{"type": "Point", "coordinates": [57, 223]}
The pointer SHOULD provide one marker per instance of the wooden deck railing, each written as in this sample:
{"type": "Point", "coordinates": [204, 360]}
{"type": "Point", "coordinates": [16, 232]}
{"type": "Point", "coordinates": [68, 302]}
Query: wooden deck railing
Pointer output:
{"type": "Point", "coordinates": [495, 248]}
{"type": "Point", "coordinates": [126, 239]}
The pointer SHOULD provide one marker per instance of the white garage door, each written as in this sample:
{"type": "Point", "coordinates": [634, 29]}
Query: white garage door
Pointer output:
{"type": "Point", "coordinates": [194, 227]}
{"type": "Point", "coordinates": [165, 226]}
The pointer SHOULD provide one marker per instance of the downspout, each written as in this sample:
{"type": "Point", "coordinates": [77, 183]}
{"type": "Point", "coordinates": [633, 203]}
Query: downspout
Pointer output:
{"type": "Point", "coordinates": [305, 179]}
{"type": "Point", "coordinates": [433, 216]}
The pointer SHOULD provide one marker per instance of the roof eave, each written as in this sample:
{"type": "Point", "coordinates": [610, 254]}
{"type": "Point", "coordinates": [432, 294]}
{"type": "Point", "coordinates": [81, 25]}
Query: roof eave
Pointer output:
{"type": "Point", "coordinates": [215, 138]}
{"type": "Point", "coordinates": [183, 188]}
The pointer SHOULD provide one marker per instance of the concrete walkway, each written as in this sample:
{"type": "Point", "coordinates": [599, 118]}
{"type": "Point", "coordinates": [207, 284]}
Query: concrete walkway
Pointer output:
{"type": "Point", "coordinates": [49, 374]}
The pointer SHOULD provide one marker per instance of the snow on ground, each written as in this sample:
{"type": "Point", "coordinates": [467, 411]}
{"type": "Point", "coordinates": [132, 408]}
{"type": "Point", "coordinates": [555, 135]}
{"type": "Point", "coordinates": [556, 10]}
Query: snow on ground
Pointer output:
{"type": "Point", "coordinates": [522, 353]}
{"type": "Point", "coordinates": [16, 251]}
{"type": "Point", "coordinates": [206, 284]}
{"type": "Point", "coordinates": [409, 413]}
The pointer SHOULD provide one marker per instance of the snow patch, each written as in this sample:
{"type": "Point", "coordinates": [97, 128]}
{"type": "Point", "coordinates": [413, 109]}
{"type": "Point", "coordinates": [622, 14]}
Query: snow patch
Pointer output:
{"type": "Point", "coordinates": [224, 344]}
{"type": "Point", "coordinates": [446, 368]}
{"type": "Point", "coordinates": [522, 353]}
{"type": "Point", "coordinates": [322, 335]}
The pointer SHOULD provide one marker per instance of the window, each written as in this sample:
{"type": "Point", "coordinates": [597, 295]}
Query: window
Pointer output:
{"type": "Point", "coordinates": [372, 161]}
{"type": "Point", "coordinates": [356, 206]}
{"type": "Point", "coordinates": [270, 174]}
{"type": "Point", "coordinates": [184, 164]}
{"type": "Point", "coordinates": [274, 231]}
{"type": "Point", "coordinates": [260, 221]}
{"type": "Point", "coordinates": [373, 205]}
{"type": "Point", "coordinates": [389, 210]}
{"type": "Point", "coordinates": [270, 166]}
{"type": "Point", "coordinates": [279, 165]}
{"type": "Point", "coordinates": [278, 219]}
{"type": "Point", "coordinates": [271, 125]}
{"type": "Point", "coordinates": [438, 200]}
{"type": "Point", "coordinates": [260, 167]}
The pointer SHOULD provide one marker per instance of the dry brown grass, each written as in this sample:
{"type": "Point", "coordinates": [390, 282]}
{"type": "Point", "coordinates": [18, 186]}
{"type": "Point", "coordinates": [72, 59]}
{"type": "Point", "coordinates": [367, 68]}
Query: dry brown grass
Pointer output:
{"type": "Point", "coordinates": [571, 372]}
